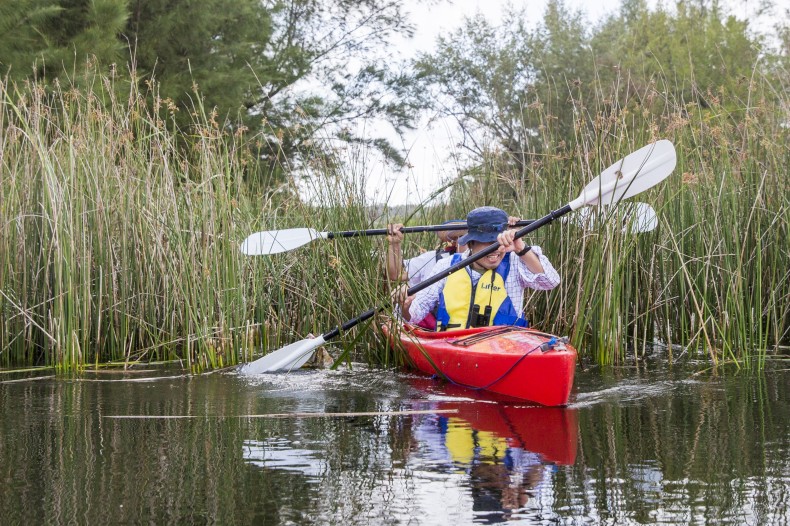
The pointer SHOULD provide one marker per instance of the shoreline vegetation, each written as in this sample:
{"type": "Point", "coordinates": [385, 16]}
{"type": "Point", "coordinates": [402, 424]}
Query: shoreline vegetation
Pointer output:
{"type": "Point", "coordinates": [119, 235]}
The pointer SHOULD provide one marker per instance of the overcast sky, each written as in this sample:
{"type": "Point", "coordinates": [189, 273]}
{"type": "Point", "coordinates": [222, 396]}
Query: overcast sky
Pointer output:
{"type": "Point", "coordinates": [429, 148]}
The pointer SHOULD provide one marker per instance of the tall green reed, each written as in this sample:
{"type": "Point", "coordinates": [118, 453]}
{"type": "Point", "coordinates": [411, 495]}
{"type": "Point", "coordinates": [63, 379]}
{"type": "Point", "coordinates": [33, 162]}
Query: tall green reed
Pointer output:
{"type": "Point", "coordinates": [117, 243]}
{"type": "Point", "coordinates": [713, 278]}
{"type": "Point", "coordinates": [119, 233]}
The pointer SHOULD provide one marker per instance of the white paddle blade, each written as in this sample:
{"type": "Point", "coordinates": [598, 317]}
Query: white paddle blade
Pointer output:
{"type": "Point", "coordinates": [636, 218]}
{"type": "Point", "coordinates": [278, 241]}
{"type": "Point", "coordinates": [640, 217]}
{"type": "Point", "coordinates": [286, 359]}
{"type": "Point", "coordinates": [629, 176]}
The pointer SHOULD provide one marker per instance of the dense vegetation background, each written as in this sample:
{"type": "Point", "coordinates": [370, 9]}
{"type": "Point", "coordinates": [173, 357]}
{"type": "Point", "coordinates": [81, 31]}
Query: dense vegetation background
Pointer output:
{"type": "Point", "coordinates": [140, 141]}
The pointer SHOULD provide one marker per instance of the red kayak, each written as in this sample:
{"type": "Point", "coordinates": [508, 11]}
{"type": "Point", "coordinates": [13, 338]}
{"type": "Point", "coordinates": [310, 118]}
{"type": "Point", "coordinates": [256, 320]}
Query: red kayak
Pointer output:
{"type": "Point", "coordinates": [514, 362]}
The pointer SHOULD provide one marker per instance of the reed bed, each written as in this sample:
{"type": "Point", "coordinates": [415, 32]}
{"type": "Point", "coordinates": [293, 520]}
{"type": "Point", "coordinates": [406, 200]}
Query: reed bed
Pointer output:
{"type": "Point", "coordinates": [119, 235]}
{"type": "Point", "coordinates": [121, 244]}
{"type": "Point", "coordinates": [712, 279]}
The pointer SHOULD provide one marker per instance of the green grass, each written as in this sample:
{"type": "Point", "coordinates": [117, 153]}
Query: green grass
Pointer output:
{"type": "Point", "coordinates": [119, 236]}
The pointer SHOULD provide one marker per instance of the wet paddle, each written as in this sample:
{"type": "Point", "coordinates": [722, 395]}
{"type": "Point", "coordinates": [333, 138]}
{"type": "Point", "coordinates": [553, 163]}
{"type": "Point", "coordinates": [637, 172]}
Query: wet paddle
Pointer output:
{"type": "Point", "coordinates": [627, 177]}
{"type": "Point", "coordinates": [640, 217]}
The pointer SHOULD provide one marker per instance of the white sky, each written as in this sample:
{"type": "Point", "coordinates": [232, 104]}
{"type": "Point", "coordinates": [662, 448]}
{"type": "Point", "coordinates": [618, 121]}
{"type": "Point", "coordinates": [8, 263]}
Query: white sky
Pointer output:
{"type": "Point", "coordinates": [429, 148]}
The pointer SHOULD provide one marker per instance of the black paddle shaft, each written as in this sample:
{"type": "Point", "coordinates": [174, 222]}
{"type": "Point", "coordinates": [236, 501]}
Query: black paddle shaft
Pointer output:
{"type": "Point", "coordinates": [534, 225]}
{"type": "Point", "coordinates": [350, 323]}
{"type": "Point", "coordinates": [531, 226]}
{"type": "Point", "coordinates": [410, 229]}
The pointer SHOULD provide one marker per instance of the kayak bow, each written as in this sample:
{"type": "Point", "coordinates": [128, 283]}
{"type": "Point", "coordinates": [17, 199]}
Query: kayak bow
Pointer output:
{"type": "Point", "coordinates": [513, 362]}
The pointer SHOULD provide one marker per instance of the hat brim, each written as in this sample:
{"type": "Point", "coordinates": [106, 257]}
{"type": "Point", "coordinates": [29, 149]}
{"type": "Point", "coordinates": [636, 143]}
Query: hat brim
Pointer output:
{"type": "Point", "coordinates": [483, 237]}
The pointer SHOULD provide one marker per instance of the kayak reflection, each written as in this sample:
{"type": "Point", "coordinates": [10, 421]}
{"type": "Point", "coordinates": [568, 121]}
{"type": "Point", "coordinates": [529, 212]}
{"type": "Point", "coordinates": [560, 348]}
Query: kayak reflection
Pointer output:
{"type": "Point", "coordinates": [549, 432]}
{"type": "Point", "coordinates": [503, 452]}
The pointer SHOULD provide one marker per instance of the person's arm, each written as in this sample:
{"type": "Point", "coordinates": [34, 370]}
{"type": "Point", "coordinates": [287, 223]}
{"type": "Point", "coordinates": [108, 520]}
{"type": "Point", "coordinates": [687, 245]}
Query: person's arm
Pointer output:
{"type": "Point", "coordinates": [509, 242]}
{"type": "Point", "coordinates": [395, 270]}
{"type": "Point", "coordinates": [537, 272]}
{"type": "Point", "coordinates": [546, 280]}
{"type": "Point", "coordinates": [420, 267]}
{"type": "Point", "coordinates": [419, 305]}
{"type": "Point", "coordinates": [416, 307]}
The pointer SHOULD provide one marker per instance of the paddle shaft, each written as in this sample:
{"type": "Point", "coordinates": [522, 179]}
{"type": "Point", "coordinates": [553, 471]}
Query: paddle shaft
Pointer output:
{"type": "Point", "coordinates": [461, 225]}
{"type": "Point", "coordinates": [531, 226]}
{"type": "Point", "coordinates": [614, 184]}
{"type": "Point", "coordinates": [534, 225]}
{"type": "Point", "coordinates": [350, 323]}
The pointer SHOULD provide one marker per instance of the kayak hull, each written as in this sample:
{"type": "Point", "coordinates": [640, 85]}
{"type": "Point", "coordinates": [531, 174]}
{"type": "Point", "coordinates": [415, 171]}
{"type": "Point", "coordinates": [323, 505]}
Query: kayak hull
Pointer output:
{"type": "Point", "coordinates": [512, 362]}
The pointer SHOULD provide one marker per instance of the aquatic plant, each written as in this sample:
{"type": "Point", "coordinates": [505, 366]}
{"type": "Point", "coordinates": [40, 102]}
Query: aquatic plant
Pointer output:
{"type": "Point", "coordinates": [119, 233]}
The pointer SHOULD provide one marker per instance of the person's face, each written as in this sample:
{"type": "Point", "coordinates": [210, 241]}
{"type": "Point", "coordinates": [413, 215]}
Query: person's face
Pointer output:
{"type": "Point", "coordinates": [489, 262]}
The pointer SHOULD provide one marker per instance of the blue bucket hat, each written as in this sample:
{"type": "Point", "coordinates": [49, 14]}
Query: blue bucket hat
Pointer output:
{"type": "Point", "coordinates": [484, 224]}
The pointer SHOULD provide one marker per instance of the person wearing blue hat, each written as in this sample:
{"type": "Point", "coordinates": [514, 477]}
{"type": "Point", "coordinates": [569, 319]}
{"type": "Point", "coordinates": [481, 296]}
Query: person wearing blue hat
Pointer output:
{"type": "Point", "coordinates": [414, 270]}
{"type": "Point", "coordinates": [490, 291]}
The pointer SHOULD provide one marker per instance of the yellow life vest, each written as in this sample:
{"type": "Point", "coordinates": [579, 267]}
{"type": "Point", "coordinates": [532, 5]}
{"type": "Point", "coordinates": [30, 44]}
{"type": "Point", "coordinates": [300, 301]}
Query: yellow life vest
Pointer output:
{"type": "Point", "coordinates": [463, 305]}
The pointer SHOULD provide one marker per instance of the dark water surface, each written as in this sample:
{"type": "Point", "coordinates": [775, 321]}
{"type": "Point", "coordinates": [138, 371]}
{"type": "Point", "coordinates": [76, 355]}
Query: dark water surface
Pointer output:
{"type": "Point", "coordinates": [637, 446]}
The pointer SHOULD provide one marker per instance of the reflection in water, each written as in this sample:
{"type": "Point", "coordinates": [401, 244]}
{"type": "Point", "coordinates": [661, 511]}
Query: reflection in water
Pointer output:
{"type": "Point", "coordinates": [278, 454]}
{"type": "Point", "coordinates": [502, 456]}
{"type": "Point", "coordinates": [636, 447]}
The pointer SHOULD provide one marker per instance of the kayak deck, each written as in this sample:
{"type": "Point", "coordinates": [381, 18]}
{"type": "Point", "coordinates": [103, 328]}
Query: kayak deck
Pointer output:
{"type": "Point", "coordinates": [514, 362]}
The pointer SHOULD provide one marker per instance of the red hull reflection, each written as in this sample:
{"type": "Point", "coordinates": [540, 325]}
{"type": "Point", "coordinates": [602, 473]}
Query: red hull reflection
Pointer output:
{"type": "Point", "coordinates": [550, 432]}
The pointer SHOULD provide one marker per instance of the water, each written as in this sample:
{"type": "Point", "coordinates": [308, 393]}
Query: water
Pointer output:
{"type": "Point", "coordinates": [637, 446]}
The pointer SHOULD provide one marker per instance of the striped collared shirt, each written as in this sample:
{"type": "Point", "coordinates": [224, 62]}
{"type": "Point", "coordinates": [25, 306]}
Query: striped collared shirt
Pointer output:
{"type": "Point", "coordinates": [518, 279]}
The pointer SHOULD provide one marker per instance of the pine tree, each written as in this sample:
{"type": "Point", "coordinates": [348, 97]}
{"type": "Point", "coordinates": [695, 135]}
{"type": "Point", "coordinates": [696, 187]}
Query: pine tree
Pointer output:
{"type": "Point", "coordinates": [47, 38]}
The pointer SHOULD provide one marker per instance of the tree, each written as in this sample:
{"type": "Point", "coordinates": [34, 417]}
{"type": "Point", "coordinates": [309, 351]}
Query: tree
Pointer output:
{"type": "Point", "coordinates": [516, 92]}
{"type": "Point", "coordinates": [500, 83]}
{"type": "Point", "coordinates": [293, 70]}
{"type": "Point", "coordinates": [481, 76]}
{"type": "Point", "coordinates": [566, 79]}
{"type": "Point", "coordinates": [46, 38]}
{"type": "Point", "coordinates": [697, 53]}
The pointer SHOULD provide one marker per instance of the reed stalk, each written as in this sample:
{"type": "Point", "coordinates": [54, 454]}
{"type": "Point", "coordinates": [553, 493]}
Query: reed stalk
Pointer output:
{"type": "Point", "coordinates": [119, 233]}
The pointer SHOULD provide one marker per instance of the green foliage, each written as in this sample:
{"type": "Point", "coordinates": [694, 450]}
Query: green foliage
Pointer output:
{"type": "Point", "coordinates": [21, 44]}
{"type": "Point", "coordinates": [188, 46]}
{"type": "Point", "coordinates": [702, 54]}
{"type": "Point", "coordinates": [115, 243]}
{"type": "Point", "coordinates": [565, 71]}
{"type": "Point", "coordinates": [50, 38]}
